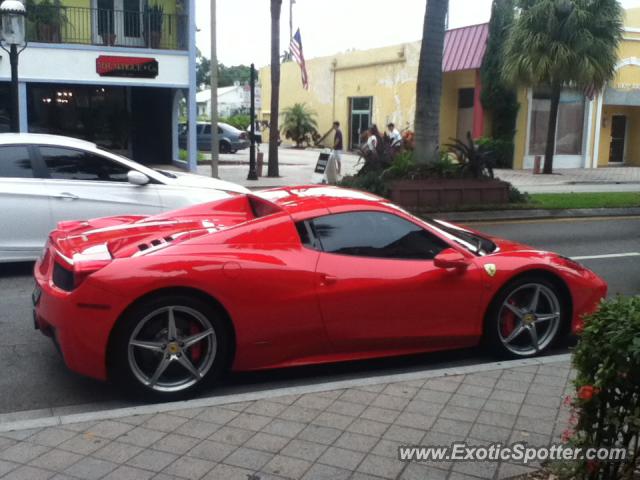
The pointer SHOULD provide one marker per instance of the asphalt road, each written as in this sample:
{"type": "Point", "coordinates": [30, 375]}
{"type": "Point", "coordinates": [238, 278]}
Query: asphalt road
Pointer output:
{"type": "Point", "coordinates": [34, 382]}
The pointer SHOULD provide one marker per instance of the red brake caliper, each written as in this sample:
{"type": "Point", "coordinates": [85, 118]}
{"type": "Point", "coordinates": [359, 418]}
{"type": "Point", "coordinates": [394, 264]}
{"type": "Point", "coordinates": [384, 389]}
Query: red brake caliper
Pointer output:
{"type": "Point", "coordinates": [196, 350]}
{"type": "Point", "coordinates": [508, 322]}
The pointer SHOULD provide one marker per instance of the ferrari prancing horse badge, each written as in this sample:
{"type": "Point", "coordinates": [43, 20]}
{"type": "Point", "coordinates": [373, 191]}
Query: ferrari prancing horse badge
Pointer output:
{"type": "Point", "coordinates": [490, 268]}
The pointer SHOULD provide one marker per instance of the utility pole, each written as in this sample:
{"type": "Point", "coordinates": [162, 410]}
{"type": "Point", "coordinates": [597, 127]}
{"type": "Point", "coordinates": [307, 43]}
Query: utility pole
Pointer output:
{"type": "Point", "coordinates": [215, 141]}
{"type": "Point", "coordinates": [253, 174]}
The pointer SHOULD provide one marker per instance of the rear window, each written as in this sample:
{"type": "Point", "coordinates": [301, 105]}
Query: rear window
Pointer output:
{"type": "Point", "coordinates": [15, 162]}
{"type": "Point", "coordinates": [262, 208]}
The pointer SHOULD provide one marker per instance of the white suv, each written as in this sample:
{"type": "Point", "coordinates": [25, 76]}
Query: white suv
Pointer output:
{"type": "Point", "coordinates": [45, 179]}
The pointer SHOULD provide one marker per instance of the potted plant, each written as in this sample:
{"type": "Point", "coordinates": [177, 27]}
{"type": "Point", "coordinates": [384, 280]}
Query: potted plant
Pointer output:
{"type": "Point", "coordinates": [49, 18]}
{"type": "Point", "coordinates": [154, 16]}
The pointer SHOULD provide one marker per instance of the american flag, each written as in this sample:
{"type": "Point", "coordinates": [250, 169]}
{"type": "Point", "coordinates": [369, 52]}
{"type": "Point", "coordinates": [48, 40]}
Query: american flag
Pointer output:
{"type": "Point", "coordinates": [298, 54]}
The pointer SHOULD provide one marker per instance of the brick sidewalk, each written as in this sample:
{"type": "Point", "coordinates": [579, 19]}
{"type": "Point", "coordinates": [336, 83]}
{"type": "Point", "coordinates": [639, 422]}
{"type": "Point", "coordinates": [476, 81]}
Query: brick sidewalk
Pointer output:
{"type": "Point", "coordinates": [351, 433]}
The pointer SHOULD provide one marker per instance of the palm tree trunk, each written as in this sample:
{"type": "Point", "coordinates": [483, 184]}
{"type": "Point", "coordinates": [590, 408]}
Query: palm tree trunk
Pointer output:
{"type": "Point", "coordinates": [276, 7]}
{"type": "Point", "coordinates": [551, 132]}
{"type": "Point", "coordinates": [429, 85]}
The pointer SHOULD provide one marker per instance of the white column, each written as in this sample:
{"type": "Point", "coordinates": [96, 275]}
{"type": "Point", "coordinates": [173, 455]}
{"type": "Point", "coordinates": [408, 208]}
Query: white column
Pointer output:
{"type": "Point", "coordinates": [22, 98]}
{"type": "Point", "coordinates": [192, 114]}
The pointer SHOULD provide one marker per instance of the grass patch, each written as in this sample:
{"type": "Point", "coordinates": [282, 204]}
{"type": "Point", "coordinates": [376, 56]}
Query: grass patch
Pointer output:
{"type": "Point", "coordinates": [555, 201]}
{"type": "Point", "coordinates": [182, 155]}
{"type": "Point", "coordinates": [561, 201]}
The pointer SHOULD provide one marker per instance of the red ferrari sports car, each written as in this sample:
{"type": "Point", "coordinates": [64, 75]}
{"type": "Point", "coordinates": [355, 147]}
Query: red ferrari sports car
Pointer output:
{"type": "Point", "coordinates": [293, 276]}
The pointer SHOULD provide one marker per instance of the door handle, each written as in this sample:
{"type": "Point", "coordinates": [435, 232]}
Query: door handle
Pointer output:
{"type": "Point", "coordinates": [326, 280]}
{"type": "Point", "coordinates": [67, 196]}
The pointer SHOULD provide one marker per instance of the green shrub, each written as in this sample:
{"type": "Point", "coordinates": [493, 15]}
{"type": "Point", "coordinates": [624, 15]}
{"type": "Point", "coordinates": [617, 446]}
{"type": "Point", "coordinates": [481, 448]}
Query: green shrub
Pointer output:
{"type": "Point", "coordinates": [606, 406]}
{"type": "Point", "coordinates": [369, 182]}
{"type": "Point", "coordinates": [516, 196]}
{"type": "Point", "coordinates": [501, 151]}
{"type": "Point", "coordinates": [241, 122]}
{"type": "Point", "coordinates": [182, 155]}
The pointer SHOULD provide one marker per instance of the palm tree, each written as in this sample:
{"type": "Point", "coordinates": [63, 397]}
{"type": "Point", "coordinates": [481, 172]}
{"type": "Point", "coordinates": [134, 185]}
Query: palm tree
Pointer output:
{"type": "Point", "coordinates": [429, 85]}
{"type": "Point", "coordinates": [299, 123]}
{"type": "Point", "coordinates": [563, 43]}
{"type": "Point", "coordinates": [276, 7]}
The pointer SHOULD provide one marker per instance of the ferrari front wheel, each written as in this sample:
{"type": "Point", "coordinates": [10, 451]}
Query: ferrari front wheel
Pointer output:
{"type": "Point", "coordinates": [169, 347]}
{"type": "Point", "coordinates": [525, 318]}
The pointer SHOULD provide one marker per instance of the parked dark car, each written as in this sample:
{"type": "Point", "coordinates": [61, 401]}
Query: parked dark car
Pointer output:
{"type": "Point", "coordinates": [231, 139]}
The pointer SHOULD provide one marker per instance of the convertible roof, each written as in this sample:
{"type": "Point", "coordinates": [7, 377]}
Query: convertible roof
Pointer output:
{"type": "Point", "coordinates": [312, 200]}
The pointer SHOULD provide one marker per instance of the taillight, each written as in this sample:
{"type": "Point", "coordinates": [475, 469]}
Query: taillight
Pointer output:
{"type": "Point", "coordinates": [82, 270]}
{"type": "Point", "coordinates": [71, 272]}
{"type": "Point", "coordinates": [244, 136]}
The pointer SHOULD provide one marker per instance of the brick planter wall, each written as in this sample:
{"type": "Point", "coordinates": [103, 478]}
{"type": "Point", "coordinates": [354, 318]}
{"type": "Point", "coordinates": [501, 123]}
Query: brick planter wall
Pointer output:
{"type": "Point", "coordinates": [422, 195]}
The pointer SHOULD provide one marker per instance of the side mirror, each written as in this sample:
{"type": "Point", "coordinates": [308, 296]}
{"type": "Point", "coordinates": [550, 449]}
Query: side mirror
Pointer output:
{"type": "Point", "coordinates": [137, 178]}
{"type": "Point", "coordinates": [450, 258]}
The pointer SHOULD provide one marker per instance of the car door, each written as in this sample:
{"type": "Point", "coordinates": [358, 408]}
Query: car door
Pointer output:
{"type": "Point", "coordinates": [26, 217]}
{"type": "Point", "coordinates": [204, 138]}
{"type": "Point", "coordinates": [379, 289]}
{"type": "Point", "coordinates": [86, 185]}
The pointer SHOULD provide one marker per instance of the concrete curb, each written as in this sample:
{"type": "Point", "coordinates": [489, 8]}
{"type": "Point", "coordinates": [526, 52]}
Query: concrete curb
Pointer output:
{"type": "Point", "coordinates": [535, 214]}
{"type": "Point", "coordinates": [57, 420]}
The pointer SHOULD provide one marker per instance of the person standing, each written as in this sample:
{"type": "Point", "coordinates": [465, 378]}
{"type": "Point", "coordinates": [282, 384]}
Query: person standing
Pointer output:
{"type": "Point", "coordinates": [337, 145]}
{"type": "Point", "coordinates": [395, 139]}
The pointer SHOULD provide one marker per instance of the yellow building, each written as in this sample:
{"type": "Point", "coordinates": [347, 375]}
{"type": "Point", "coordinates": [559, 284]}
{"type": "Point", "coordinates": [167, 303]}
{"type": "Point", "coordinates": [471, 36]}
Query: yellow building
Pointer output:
{"type": "Point", "coordinates": [378, 86]}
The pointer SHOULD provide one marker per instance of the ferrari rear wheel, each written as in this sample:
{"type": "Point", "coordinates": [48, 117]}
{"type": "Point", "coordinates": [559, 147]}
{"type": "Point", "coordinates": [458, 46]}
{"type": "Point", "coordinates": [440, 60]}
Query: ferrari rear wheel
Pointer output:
{"type": "Point", "coordinates": [525, 318]}
{"type": "Point", "coordinates": [170, 347]}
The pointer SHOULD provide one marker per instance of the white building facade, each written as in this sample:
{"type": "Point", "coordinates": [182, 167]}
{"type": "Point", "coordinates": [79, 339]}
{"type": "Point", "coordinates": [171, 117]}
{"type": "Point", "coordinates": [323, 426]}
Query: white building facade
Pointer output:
{"type": "Point", "coordinates": [113, 72]}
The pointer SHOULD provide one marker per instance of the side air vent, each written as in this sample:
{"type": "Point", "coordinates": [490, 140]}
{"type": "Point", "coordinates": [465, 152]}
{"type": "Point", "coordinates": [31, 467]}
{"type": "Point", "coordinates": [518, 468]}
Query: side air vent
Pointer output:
{"type": "Point", "coordinates": [155, 243]}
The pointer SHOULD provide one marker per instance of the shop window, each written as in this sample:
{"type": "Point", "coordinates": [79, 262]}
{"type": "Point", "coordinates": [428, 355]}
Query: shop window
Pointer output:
{"type": "Point", "coordinates": [5, 113]}
{"type": "Point", "coordinates": [68, 164]}
{"type": "Point", "coordinates": [570, 123]}
{"type": "Point", "coordinates": [94, 113]}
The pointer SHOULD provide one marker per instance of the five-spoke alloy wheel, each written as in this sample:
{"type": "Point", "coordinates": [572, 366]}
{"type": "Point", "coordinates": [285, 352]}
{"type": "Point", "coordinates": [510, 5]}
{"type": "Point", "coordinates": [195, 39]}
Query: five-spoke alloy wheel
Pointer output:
{"type": "Point", "coordinates": [169, 347]}
{"type": "Point", "coordinates": [525, 318]}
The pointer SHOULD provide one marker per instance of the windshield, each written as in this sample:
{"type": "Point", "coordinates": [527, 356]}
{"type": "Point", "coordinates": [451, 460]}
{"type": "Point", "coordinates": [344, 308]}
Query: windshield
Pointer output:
{"type": "Point", "coordinates": [473, 242]}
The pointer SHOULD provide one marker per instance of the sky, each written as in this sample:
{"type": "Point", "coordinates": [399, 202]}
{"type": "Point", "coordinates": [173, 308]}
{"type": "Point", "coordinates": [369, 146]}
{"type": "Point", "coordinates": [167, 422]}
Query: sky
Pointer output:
{"type": "Point", "coordinates": [327, 26]}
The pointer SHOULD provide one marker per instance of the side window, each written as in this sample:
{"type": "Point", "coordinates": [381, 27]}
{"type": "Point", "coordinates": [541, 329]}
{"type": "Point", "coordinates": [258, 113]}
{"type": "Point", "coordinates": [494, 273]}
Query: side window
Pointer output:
{"type": "Point", "coordinates": [220, 131]}
{"type": "Point", "coordinates": [68, 164]}
{"type": "Point", "coordinates": [15, 162]}
{"type": "Point", "coordinates": [376, 234]}
{"type": "Point", "coordinates": [206, 130]}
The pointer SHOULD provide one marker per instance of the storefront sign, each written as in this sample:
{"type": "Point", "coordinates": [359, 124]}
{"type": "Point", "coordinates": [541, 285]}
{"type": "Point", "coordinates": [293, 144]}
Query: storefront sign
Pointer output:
{"type": "Point", "coordinates": [136, 67]}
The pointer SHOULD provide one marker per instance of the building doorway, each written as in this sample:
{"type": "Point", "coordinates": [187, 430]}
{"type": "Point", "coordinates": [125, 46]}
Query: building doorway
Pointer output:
{"type": "Point", "coordinates": [119, 22]}
{"type": "Point", "coordinates": [618, 138]}
{"type": "Point", "coordinates": [465, 113]}
{"type": "Point", "coordinates": [360, 119]}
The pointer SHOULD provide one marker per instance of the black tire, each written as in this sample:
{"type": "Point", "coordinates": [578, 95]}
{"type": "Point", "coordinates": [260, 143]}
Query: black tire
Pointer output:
{"type": "Point", "coordinates": [225, 147]}
{"type": "Point", "coordinates": [121, 366]}
{"type": "Point", "coordinates": [495, 337]}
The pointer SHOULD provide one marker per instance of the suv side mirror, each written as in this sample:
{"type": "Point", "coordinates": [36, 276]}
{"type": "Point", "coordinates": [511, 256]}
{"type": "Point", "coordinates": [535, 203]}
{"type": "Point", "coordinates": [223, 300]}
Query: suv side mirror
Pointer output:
{"type": "Point", "coordinates": [137, 178]}
{"type": "Point", "coordinates": [450, 258]}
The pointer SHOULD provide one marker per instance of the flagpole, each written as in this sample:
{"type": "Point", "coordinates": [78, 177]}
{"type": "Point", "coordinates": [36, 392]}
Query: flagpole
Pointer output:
{"type": "Point", "coordinates": [291, 2]}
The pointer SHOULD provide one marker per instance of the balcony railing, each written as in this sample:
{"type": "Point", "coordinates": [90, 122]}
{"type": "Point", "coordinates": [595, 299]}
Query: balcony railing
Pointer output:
{"type": "Point", "coordinates": [95, 26]}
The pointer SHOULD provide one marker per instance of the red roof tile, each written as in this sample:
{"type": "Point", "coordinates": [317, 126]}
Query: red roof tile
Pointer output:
{"type": "Point", "coordinates": [464, 48]}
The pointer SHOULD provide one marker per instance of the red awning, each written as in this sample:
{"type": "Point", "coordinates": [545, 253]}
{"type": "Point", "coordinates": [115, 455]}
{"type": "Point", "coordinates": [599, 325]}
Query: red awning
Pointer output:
{"type": "Point", "coordinates": [464, 48]}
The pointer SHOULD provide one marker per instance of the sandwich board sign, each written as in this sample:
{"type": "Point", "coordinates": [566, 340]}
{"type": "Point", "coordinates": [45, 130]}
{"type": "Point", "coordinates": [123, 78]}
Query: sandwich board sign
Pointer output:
{"type": "Point", "coordinates": [324, 169]}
